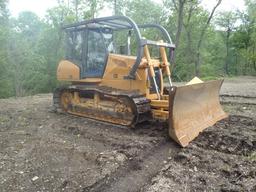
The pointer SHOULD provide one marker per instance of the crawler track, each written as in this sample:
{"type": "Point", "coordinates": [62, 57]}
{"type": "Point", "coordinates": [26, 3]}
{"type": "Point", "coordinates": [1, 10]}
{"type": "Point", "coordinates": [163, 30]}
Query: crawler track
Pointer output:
{"type": "Point", "coordinates": [113, 105]}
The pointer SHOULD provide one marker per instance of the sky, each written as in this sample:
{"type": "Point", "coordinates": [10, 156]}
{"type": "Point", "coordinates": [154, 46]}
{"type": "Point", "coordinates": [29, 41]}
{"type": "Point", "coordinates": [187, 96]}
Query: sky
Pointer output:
{"type": "Point", "coordinates": [40, 6]}
{"type": "Point", "coordinates": [37, 6]}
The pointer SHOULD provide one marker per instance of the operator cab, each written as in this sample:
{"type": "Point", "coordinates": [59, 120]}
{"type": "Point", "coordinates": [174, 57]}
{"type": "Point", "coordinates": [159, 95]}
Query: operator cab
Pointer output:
{"type": "Point", "coordinates": [89, 48]}
{"type": "Point", "coordinates": [88, 43]}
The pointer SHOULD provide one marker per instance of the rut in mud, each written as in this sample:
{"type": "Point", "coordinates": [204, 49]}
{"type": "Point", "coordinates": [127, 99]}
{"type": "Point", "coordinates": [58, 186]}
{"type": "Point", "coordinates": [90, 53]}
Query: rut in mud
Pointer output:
{"type": "Point", "coordinates": [222, 158]}
{"type": "Point", "coordinates": [44, 151]}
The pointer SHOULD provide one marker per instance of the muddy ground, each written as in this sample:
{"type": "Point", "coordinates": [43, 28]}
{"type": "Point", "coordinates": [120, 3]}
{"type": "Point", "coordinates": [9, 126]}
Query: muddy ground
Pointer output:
{"type": "Point", "coordinates": [44, 151]}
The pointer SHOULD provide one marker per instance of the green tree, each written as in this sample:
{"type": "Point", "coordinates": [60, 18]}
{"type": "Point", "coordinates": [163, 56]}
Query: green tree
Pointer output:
{"type": "Point", "coordinates": [25, 63]}
{"type": "Point", "coordinates": [243, 41]}
{"type": "Point", "coordinates": [137, 10]}
{"type": "Point", "coordinates": [5, 80]}
{"type": "Point", "coordinates": [226, 21]}
{"type": "Point", "coordinates": [31, 47]}
{"type": "Point", "coordinates": [196, 28]}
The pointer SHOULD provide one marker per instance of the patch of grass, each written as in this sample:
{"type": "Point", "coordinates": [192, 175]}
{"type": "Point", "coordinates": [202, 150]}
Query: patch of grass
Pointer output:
{"type": "Point", "coordinates": [208, 78]}
{"type": "Point", "coordinates": [4, 119]}
{"type": "Point", "coordinates": [252, 157]}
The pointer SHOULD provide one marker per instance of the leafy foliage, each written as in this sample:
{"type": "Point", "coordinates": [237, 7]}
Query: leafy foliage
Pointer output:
{"type": "Point", "coordinates": [31, 47]}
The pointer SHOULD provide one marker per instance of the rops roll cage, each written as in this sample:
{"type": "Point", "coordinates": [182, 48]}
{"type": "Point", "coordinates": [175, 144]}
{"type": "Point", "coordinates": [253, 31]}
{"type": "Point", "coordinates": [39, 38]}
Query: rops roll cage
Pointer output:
{"type": "Point", "coordinates": [126, 23]}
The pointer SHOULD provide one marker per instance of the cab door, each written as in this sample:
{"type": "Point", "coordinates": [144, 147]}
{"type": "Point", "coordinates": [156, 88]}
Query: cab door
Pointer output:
{"type": "Point", "coordinates": [95, 55]}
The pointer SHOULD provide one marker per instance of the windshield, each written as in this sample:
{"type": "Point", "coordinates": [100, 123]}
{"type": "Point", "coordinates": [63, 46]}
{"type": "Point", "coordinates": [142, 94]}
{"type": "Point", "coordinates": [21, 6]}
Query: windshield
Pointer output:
{"type": "Point", "coordinates": [89, 48]}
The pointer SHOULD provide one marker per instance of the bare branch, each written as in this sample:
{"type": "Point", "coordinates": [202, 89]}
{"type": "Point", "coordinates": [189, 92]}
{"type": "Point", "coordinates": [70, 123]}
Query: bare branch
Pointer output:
{"type": "Point", "coordinates": [197, 63]}
{"type": "Point", "coordinates": [207, 23]}
{"type": "Point", "coordinates": [179, 21]}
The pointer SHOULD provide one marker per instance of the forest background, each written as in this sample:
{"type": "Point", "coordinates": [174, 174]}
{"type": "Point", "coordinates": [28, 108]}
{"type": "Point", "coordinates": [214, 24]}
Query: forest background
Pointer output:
{"type": "Point", "coordinates": [209, 43]}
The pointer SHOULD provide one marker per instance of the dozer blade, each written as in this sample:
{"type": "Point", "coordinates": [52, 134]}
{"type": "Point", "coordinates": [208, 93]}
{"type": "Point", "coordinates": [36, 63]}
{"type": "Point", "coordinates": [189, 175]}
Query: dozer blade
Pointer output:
{"type": "Point", "coordinates": [193, 108]}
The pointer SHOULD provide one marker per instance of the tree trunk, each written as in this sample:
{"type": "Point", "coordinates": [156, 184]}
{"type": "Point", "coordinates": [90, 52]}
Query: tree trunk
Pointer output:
{"type": "Point", "coordinates": [187, 26]}
{"type": "Point", "coordinates": [197, 63]}
{"type": "Point", "coordinates": [254, 62]}
{"type": "Point", "coordinates": [180, 9]}
{"type": "Point", "coordinates": [227, 51]}
{"type": "Point", "coordinates": [197, 70]}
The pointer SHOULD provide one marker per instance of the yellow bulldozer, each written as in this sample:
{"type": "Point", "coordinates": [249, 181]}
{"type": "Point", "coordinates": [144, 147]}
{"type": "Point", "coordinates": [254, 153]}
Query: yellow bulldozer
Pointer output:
{"type": "Point", "coordinates": [114, 78]}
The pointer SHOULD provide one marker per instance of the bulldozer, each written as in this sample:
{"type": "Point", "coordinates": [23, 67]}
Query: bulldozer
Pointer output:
{"type": "Point", "coordinates": [113, 77]}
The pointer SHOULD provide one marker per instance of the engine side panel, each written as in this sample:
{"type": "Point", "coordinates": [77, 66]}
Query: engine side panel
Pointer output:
{"type": "Point", "coordinates": [118, 66]}
{"type": "Point", "coordinates": [68, 71]}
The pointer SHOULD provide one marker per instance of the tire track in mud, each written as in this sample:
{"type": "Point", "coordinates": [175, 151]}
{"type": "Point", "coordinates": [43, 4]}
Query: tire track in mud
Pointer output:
{"type": "Point", "coordinates": [149, 157]}
{"type": "Point", "coordinates": [230, 141]}
{"type": "Point", "coordinates": [217, 160]}
{"type": "Point", "coordinates": [137, 172]}
{"type": "Point", "coordinates": [237, 99]}
{"type": "Point", "coordinates": [145, 135]}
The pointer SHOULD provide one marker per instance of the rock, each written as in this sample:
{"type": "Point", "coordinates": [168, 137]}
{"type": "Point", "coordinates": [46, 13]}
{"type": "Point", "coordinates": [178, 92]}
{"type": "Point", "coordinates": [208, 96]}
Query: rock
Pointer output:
{"type": "Point", "coordinates": [182, 157]}
{"type": "Point", "coordinates": [35, 178]}
{"type": "Point", "coordinates": [111, 156]}
{"type": "Point", "coordinates": [121, 157]}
